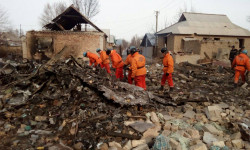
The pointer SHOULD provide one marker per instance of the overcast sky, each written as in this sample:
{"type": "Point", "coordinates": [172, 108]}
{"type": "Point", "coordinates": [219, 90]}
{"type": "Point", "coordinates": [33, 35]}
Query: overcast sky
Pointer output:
{"type": "Point", "coordinates": [126, 18]}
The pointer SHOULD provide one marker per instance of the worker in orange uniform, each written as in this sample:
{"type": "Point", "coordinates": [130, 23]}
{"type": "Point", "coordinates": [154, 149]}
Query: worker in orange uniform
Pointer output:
{"type": "Point", "coordinates": [117, 63]}
{"type": "Point", "coordinates": [138, 68]}
{"type": "Point", "coordinates": [93, 59]}
{"type": "Point", "coordinates": [168, 69]}
{"type": "Point", "coordinates": [241, 66]}
{"type": "Point", "coordinates": [127, 64]}
{"type": "Point", "coordinates": [105, 60]}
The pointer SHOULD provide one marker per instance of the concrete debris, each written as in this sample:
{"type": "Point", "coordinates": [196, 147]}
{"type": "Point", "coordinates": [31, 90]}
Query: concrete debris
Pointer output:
{"type": "Point", "coordinates": [141, 126]}
{"type": "Point", "coordinates": [66, 104]}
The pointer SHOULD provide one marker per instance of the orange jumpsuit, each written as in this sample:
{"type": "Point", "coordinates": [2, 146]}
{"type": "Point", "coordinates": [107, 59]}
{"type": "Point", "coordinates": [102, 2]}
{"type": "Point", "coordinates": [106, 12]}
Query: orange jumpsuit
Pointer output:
{"type": "Point", "coordinates": [93, 58]}
{"type": "Point", "coordinates": [168, 63]}
{"type": "Point", "coordinates": [240, 64]}
{"type": "Point", "coordinates": [105, 61]}
{"type": "Point", "coordinates": [139, 70]}
{"type": "Point", "coordinates": [117, 63]}
{"type": "Point", "coordinates": [128, 62]}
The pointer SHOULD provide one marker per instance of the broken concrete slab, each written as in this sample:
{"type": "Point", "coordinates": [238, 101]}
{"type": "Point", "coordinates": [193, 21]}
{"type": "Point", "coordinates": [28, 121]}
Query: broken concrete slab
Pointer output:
{"type": "Point", "coordinates": [213, 112]}
{"type": "Point", "coordinates": [141, 126]}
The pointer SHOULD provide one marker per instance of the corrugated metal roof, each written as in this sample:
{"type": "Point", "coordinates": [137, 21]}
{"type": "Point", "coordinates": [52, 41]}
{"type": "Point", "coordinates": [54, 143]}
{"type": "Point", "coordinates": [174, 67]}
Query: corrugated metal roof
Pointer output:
{"type": "Point", "coordinates": [205, 24]}
{"type": "Point", "coordinates": [150, 38]}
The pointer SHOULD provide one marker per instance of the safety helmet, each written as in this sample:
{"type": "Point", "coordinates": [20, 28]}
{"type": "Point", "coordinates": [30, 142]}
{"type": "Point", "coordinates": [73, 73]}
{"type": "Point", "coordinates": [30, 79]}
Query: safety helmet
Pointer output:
{"type": "Point", "coordinates": [98, 50]}
{"type": "Point", "coordinates": [133, 49]}
{"type": "Point", "coordinates": [108, 51]}
{"type": "Point", "coordinates": [85, 54]}
{"type": "Point", "coordinates": [163, 50]}
{"type": "Point", "coordinates": [244, 51]}
{"type": "Point", "coordinates": [128, 51]}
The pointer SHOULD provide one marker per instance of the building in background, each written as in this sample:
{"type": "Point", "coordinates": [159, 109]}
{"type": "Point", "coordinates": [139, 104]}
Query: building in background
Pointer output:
{"type": "Point", "coordinates": [197, 36]}
{"type": "Point", "coordinates": [148, 47]}
{"type": "Point", "coordinates": [65, 30]}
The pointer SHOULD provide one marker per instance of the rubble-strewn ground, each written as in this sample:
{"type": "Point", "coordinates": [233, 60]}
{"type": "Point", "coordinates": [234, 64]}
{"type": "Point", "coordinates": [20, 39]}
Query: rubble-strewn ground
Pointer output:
{"type": "Point", "coordinates": [65, 104]}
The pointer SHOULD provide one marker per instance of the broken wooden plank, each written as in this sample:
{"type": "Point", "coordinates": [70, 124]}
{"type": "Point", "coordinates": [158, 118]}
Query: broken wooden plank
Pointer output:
{"type": "Point", "coordinates": [124, 135]}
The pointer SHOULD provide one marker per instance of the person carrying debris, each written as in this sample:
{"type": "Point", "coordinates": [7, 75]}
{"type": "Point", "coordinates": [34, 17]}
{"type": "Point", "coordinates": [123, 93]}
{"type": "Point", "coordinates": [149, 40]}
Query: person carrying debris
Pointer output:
{"type": "Point", "coordinates": [128, 63]}
{"type": "Point", "coordinates": [93, 59]}
{"type": "Point", "coordinates": [241, 66]}
{"type": "Point", "coordinates": [105, 60]}
{"type": "Point", "coordinates": [117, 63]}
{"type": "Point", "coordinates": [168, 69]}
{"type": "Point", "coordinates": [138, 68]}
{"type": "Point", "coordinates": [232, 54]}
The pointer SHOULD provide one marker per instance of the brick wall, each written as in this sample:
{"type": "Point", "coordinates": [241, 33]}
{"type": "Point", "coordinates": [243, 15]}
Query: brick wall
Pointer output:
{"type": "Point", "coordinates": [10, 50]}
{"type": "Point", "coordinates": [78, 42]}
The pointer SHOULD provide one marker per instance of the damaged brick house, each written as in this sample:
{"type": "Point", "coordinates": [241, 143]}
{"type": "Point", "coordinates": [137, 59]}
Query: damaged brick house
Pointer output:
{"type": "Point", "coordinates": [196, 36]}
{"type": "Point", "coordinates": [65, 30]}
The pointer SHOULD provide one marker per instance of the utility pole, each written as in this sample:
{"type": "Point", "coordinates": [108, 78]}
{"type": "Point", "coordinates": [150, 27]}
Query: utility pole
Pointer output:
{"type": "Point", "coordinates": [156, 28]}
{"type": "Point", "coordinates": [156, 14]}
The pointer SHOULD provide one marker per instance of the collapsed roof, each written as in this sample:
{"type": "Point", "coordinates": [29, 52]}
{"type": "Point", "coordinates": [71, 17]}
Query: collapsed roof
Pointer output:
{"type": "Point", "coordinates": [205, 24]}
{"type": "Point", "coordinates": [69, 19]}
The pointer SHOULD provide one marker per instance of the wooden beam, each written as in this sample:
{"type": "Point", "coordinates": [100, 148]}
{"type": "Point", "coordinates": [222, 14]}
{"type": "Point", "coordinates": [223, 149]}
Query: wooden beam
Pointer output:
{"type": "Point", "coordinates": [60, 26]}
{"type": "Point", "coordinates": [72, 16]}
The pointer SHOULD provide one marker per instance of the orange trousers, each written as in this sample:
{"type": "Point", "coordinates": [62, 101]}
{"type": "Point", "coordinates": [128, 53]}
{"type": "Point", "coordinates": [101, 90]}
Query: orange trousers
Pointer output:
{"type": "Point", "coordinates": [119, 73]}
{"type": "Point", "coordinates": [169, 78]}
{"type": "Point", "coordinates": [140, 81]}
{"type": "Point", "coordinates": [107, 67]}
{"type": "Point", "coordinates": [129, 77]}
{"type": "Point", "coordinates": [237, 76]}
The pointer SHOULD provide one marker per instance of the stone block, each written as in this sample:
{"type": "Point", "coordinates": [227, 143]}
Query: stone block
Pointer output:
{"type": "Point", "coordinates": [154, 117]}
{"type": "Point", "coordinates": [115, 144]}
{"type": "Point", "coordinates": [174, 144]}
{"type": "Point", "coordinates": [210, 128]}
{"type": "Point", "coordinates": [219, 143]}
{"type": "Point", "coordinates": [209, 138]}
{"type": "Point", "coordinates": [237, 143]}
{"type": "Point", "coordinates": [128, 145]}
{"type": "Point", "coordinates": [136, 143]}
{"type": "Point", "coordinates": [213, 112]}
{"type": "Point", "coordinates": [200, 146]}
{"type": "Point", "coordinates": [236, 136]}
{"type": "Point", "coordinates": [167, 126]}
{"type": "Point", "coordinates": [194, 133]}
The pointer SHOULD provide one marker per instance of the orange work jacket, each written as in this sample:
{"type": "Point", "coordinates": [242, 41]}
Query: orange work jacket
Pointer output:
{"type": "Point", "coordinates": [168, 63]}
{"type": "Point", "coordinates": [104, 57]}
{"type": "Point", "coordinates": [138, 65]}
{"type": "Point", "coordinates": [241, 62]}
{"type": "Point", "coordinates": [116, 59]}
{"type": "Point", "coordinates": [128, 60]}
{"type": "Point", "coordinates": [93, 58]}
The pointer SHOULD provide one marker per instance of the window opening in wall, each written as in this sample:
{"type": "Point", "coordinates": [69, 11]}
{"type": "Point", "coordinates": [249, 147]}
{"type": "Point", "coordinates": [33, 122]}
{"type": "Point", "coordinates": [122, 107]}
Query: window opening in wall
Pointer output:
{"type": "Point", "coordinates": [216, 39]}
{"type": "Point", "coordinates": [205, 38]}
{"type": "Point", "coordinates": [241, 42]}
{"type": "Point", "coordinates": [166, 41]}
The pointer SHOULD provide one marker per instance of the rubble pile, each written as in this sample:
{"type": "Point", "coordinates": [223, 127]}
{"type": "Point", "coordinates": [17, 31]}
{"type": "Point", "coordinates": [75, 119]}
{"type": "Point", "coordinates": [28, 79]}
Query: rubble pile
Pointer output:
{"type": "Point", "coordinates": [65, 104]}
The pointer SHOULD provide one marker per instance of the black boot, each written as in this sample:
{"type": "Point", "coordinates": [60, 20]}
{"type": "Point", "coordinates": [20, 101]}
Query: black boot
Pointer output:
{"type": "Point", "coordinates": [171, 89]}
{"type": "Point", "coordinates": [235, 85]}
{"type": "Point", "coordinates": [161, 88]}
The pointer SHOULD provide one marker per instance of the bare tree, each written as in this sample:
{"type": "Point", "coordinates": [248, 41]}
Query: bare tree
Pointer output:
{"type": "Point", "coordinates": [3, 18]}
{"type": "Point", "coordinates": [182, 10]}
{"type": "Point", "coordinates": [89, 8]}
{"type": "Point", "coordinates": [135, 41]}
{"type": "Point", "coordinates": [50, 11]}
{"type": "Point", "coordinates": [125, 44]}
